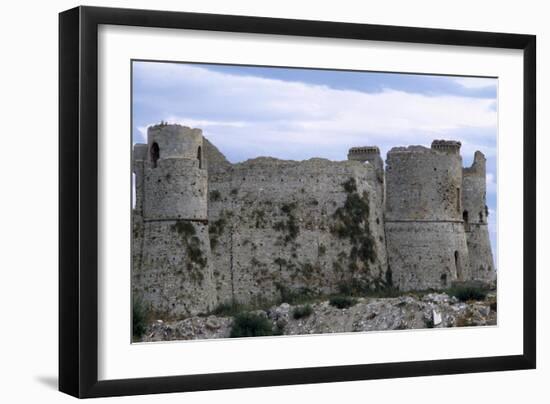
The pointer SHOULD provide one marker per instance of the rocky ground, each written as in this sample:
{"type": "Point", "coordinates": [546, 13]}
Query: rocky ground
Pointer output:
{"type": "Point", "coordinates": [433, 310]}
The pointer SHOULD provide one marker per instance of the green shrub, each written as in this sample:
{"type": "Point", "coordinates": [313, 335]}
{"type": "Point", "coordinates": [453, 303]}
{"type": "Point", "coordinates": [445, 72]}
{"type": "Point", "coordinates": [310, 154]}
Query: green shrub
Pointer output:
{"type": "Point", "coordinates": [468, 293]}
{"type": "Point", "coordinates": [350, 186]}
{"type": "Point", "coordinates": [342, 302]}
{"type": "Point", "coordinates": [290, 226]}
{"type": "Point", "coordinates": [302, 311]}
{"type": "Point", "coordinates": [250, 325]}
{"type": "Point", "coordinates": [139, 318]}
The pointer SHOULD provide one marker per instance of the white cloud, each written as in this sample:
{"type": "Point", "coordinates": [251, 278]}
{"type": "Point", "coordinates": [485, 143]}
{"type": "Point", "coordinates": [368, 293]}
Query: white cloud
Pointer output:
{"type": "Point", "coordinates": [142, 130]}
{"type": "Point", "coordinates": [197, 123]}
{"type": "Point", "coordinates": [298, 120]}
{"type": "Point", "coordinates": [475, 82]}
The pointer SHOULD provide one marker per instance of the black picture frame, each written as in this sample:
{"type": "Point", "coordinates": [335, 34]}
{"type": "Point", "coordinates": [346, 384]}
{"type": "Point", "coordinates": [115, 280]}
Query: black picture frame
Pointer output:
{"type": "Point", "coordinates": [78, 201]}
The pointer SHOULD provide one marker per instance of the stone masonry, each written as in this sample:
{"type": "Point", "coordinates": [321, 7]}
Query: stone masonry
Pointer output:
{"type": "Point", "coordinates": [206, 231]}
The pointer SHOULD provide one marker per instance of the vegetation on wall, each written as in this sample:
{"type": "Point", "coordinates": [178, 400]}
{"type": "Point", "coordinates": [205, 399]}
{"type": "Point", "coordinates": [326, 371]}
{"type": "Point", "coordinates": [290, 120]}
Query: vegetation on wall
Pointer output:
{"type": "Point", "coordinates": [192, 245]}
{"type": "Point", "coordinates": [351, 223]}
{"type": "Point", "coordinates": [215, 195]}
{"type": "Point", "coordinates": [258, 216]}
{"type": "Point", "coordinates": [217, 227]}
{"type": "Point", "coordinates": [289, 226]}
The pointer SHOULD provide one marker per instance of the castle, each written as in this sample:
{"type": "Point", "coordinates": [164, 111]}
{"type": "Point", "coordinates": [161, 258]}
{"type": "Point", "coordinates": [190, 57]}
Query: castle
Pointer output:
{"type": "Point", "coordinates": [206, 231]}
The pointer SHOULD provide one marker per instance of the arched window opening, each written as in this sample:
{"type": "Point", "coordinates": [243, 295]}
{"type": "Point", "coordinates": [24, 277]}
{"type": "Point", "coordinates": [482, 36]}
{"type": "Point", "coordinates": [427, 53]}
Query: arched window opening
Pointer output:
{"type": "Point", "coordinates": [458, 199]}
{"type": "Point", "coordinates": [155, 154]}
{"type": "Point", "coordinates": [199, 156]}
{"type": "Point", "coordinates": [481, 217]}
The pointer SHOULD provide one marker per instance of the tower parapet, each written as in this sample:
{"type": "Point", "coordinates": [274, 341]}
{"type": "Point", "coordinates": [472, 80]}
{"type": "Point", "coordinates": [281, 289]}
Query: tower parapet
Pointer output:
{"type": "Point", "coordinates": [175, 177]}
{"type": "Point", "coordinates": [447, 146]}
{"type": "Point", "coordinates": [370, 154]}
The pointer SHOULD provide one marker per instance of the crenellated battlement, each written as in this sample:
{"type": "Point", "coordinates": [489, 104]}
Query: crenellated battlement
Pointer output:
{"type": "Point", "coordinates": [370, 154]}
{"type": "Point", "coordinates": [448, 146]}
{"type": "Point", "coordinates": [363, 153]}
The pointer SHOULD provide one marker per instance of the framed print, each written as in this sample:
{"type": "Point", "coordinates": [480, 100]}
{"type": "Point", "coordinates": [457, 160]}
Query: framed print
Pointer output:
{"type": "Point", "coordinates": [251, 201]}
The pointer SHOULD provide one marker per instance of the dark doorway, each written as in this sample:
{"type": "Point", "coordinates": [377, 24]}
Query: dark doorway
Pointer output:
{"type": "Point", "coordinates": [458, 266]}
{"type": "Point", "coordinates": [465, 219]}
{"type": "Point", "coordinates": [155, 154]}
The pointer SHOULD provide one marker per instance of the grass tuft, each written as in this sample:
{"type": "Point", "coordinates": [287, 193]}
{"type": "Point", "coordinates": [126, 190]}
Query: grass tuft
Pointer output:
{"type": "Point", "coordinates": [139, 319]}
{"type": "Point", "coordinates": [250, 325]}
{"type": "Point", "coordinates": [342, 302]}
{"type": "Point", "coordinates": [466, 293]}
{"type": "Point", "coordinates": [302, 311]}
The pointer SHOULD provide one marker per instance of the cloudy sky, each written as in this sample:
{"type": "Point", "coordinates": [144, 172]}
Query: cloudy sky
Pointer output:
{"type": "Point", "coordinates": [302, 113]}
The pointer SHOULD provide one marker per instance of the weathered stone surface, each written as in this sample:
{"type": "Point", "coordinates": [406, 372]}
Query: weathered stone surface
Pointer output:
{"type": "Point", "coordinates": [175, 274]}
{"type": "Point", "coordinates": [206, 231]}
{"type": "Point", "coordinates": [475, 215]}
{"type": "Point", "coordinates": [272, 226]}
{"type": "Point", "coordinates": [424, 255]}
{"type": "Point", "coordinates": [426, 240]}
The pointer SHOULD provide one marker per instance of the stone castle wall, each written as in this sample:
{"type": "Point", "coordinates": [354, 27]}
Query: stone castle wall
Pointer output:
{"type": "Point", "coordinates": [208, 232]}
{"type": "Point", "coordinates": [272, 223]}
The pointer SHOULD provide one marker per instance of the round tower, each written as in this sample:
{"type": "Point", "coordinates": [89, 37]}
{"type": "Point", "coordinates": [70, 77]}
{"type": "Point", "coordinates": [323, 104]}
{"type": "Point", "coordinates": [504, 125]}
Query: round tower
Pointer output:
{"type": "Point", "coordinates": [425, 234]}
{"type": "Point", "coordinates": [175, 176]}
{"type": "Point", "coordinates": [174, 276]}
{"type": "Point", "coordinates": [475, 215]}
